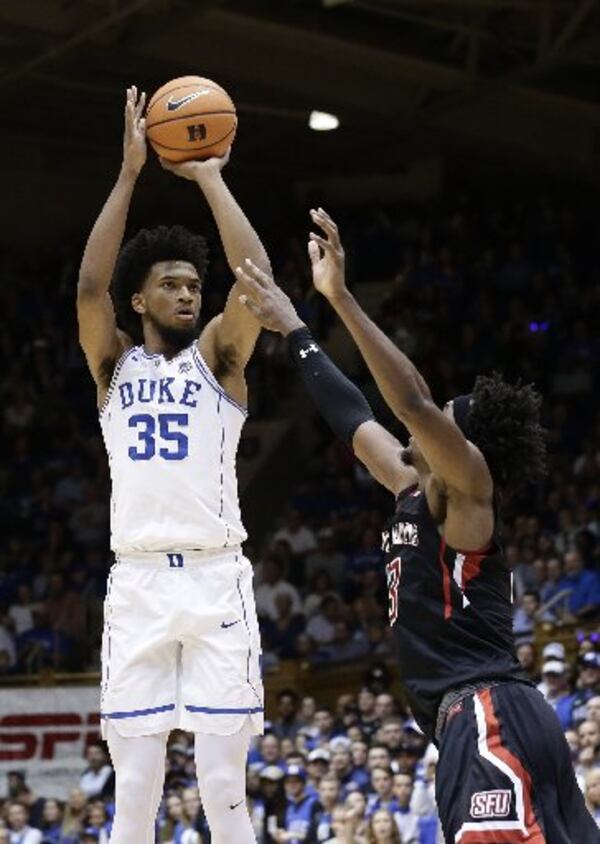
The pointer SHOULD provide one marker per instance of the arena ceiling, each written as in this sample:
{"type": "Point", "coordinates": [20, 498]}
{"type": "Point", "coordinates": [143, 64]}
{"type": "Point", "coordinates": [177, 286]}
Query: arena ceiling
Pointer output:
{"type": "Point", "coordinates": [514, 78]}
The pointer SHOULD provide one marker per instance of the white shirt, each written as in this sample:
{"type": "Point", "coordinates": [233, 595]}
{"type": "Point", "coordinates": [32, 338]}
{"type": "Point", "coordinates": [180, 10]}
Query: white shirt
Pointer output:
{"type": "Point", "coordinates": [28, 835]}
{"type": "Point", "coordinates": [7, 644]}
{"type": "Point", "coordinates": [171, 433]}
{"type": "Point", "coordinates": [266, 594]}
{"type": "Point", "coordinates": [93, 782]}
{"type": "Point", "coordinates": [22, 617]}
{"type": "Point", "coordinates": [300, 541]}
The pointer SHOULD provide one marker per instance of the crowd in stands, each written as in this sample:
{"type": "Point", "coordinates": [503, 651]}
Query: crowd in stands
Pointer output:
{"type": "Point", "coordinates": [360, 773]}
{"type": "Point", "coordinates": [472, 286]}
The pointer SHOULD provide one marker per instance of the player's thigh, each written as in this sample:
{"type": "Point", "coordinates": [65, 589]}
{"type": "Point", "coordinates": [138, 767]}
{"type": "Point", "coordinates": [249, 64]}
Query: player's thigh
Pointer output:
{"type": "Point", "coordinates": [483, 783]}
{"type": "Point", "coordinates": [221, 677]}
{"type": "Point", "coordinates": [139, 652]}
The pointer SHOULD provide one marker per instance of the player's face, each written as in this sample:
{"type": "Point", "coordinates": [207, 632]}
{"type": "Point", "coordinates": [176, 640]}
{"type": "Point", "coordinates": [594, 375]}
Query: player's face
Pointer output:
{"type": "Point", "coordinates": [170, 299]}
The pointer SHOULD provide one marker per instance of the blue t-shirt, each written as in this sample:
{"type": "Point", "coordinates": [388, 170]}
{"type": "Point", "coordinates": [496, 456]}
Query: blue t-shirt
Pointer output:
{"type": "Point", "coordinates": [298, 817]}
{"type": "Point", "coordinates": [585, 588]}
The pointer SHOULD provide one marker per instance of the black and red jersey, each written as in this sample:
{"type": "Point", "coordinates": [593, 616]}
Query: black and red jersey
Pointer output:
{"type": "Point", "coordinates": [451, 611]}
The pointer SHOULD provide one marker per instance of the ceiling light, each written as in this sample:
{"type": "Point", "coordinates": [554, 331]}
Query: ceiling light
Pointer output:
{"type": "Point", "coordinates": [321, 121]}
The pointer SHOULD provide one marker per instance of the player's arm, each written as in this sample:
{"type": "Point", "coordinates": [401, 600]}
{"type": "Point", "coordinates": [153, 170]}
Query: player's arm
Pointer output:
{"type": "Point", "coordinates": [99, 337]}
{"type": "Point", "coordinates": [451, 457]}
{"type": "Point", "coordinates": [339, 400]}
{"type": "Point", "coordinates": [236, 332]}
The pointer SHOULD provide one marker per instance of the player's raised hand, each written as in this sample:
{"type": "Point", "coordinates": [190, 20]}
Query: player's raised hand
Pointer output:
{"type": "Point", "coordinates": [134, 139]}
{"type": "Point", "coordinates": [327, 256]}
{"type": "Point", "coordinates": [267, 302]}
{"type": "Point", "coordinates": [197, 171]}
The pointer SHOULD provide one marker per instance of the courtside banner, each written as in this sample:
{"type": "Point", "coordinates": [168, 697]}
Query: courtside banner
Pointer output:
{"type": "Point", "coordinates": [44, 732]}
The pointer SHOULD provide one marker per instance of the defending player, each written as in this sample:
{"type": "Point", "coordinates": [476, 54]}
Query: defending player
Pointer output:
{"type": "Point", "coordinates": [181, 643]}
{"type": "Point", "coordinates": [504, 773]}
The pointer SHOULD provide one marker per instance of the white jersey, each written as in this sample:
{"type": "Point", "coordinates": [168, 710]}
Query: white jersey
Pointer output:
{"type": "Point", "coordinates": [171, 433]}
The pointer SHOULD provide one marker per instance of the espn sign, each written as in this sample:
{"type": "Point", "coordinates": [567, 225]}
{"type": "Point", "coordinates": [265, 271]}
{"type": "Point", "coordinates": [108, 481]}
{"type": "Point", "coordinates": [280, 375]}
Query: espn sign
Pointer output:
{"type": "Point", "coordinates": [45, 733]}
{"type": "Point", "coordinates": [491, 804]}
{"type": "Point", "coordinates": [24, 737]}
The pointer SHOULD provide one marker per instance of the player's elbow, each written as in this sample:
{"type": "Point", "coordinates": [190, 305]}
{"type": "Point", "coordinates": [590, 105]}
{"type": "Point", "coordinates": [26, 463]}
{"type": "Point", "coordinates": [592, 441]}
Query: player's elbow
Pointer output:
{"type": "Point", "coordinates": [415, 405]}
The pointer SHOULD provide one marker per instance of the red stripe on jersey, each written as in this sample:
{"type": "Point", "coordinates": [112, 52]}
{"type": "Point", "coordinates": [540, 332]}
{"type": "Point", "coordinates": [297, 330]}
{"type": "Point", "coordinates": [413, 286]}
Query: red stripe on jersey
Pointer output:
{"type": "Point", "coordinates": [472, 566]}
{"type": "Point", "coordinates": [446, 582]}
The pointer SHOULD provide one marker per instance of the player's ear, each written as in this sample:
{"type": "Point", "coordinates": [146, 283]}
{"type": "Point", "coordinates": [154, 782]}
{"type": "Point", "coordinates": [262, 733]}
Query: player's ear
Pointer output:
{"type": "Point", "coordinates": [138, 303]}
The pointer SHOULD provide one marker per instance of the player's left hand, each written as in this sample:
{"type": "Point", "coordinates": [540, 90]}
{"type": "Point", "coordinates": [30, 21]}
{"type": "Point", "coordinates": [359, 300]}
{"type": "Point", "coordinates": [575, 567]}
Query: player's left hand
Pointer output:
{"type": "Point", "coordinates": [267, 302]}
{"type": "Point", "coordinates": [197, 171]}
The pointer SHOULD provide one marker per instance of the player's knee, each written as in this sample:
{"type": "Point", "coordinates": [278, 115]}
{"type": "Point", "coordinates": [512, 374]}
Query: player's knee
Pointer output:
{"type": "Point", "coordinates": [219, 790]}
{"type": "Point", "coordinates": [132, 784]}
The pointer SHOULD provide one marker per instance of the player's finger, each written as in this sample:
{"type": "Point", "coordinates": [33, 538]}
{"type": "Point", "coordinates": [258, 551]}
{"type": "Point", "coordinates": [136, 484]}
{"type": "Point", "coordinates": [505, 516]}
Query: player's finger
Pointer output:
{"type": "Point", "coordinates": [140, 106]}
{"type": "Point", "coordinates": [325, 245]}
{"type": "Point", "coordinates": [259, 275]}
{"type": "Point", "coordinates": [328, 226]}
{"type": "Point", "coordinates": [250, 304]}
{"type": "Point", "coordinates": [328, 217]}
{"type": "Point", "coordinates": [248, 281]}
{"type": "Point", "coordinates": [314, 253]}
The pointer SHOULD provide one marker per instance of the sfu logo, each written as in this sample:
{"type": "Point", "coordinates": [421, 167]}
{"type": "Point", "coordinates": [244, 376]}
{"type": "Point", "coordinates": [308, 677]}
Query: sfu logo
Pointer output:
{"type": "Point", "coordinates": [490, 804]}
{"type": "Point", "coordinates": [38, 736]}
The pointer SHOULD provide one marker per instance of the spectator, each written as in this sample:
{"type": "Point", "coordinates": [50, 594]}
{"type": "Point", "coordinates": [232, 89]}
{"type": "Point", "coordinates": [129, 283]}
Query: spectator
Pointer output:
{"type": "Point", "coordinates": [592, 793]}
{"type": "Point", "coordinates": [321, 627]}
{"type": "Point", "coordinates": [272, 585]}
{"type": "Point", "coordinates": [391, 734]}
{"type": "Point", "coordinates": [525, 616]}
{"type": "Point", "coordinates": [589, 750]}
{"type": "Point", "coordinates": [319, 588]}
{"type": "Point", "coordinates": [346, 645]}
{"type": "Point", "coordinates": [382, 791]}
{"type": "Point", "coordinates": [281, 635]}
{"type": "Point", "coordinates": [18, 823]}
{"type": "Point", "coordinates": [326, 558]}
{"type": "Point", "coordinates": [385, 706]}
{"type": "Point", "coordinates": [584, 601]}
{"type": "Point", "coordinates": [193, 819]}
{"type": "Point", "coordinates": [74, 814]}
{"type": "Point", "coordinates": [299, 536]}
{"type": "Point", "coordinates": [381, 829]}
{"type": "Point", "coordinates": [8, 650]}
{"type": "Point", "coordinates": [592, 709]}
{"type": "Point", "coordinates": [342, 769]}
{"type": "Point", "coordinates": [273, 802]}
{"type": "Point", "coordinates": [556, 679]}
{"type": "Point", "coordinates": [322, 823]}
{"type": "Point", "coordinates": [287, 724]}
{"type": "Point", "coordinates": [527, 658]}
{"type": "Point", "coordinates": [97, 818]}
{"type": "Point", "coordinates": [300, 810]}
{"type": "Point", "coordinates": [98, 778]}
{"type": "Point", "coordinates": [270, 749]}
{"type": "Point", "coordinates": [21, 612]}
{"type": "Point", "coordinates": [318, 766]}
{"type": "Point", "coordinates": [52, 823]}
{"type": "Point", "coordinates": [572, 709]}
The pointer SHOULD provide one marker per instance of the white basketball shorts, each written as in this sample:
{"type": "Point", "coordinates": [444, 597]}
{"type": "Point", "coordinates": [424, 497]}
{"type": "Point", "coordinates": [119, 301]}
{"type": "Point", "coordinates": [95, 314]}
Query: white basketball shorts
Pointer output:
{"type": "Point", "coordinates": [181, 645]}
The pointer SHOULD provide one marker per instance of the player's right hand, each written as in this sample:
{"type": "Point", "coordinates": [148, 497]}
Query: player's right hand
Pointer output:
{"type": "Point", "coordinates": [270, 306]}
{"type": "Point", "coordinates": [134, 139]}
{"type": "Point", "coordinates": [327, 257]}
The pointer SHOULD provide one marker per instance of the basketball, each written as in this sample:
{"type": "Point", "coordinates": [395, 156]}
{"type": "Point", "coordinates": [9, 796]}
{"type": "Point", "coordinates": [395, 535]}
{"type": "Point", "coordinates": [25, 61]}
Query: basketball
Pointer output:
{"type": "Point", "coordinates": [191, 118]}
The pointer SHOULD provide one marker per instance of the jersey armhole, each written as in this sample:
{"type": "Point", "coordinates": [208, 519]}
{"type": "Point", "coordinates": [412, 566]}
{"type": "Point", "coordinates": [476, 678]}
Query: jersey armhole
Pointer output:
{"type": "Point", "coordinates": [113, 380]}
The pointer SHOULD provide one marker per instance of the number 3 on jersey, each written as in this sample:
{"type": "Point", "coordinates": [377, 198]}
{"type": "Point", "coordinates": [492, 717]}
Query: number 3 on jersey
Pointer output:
{"type": "Point", "coordinates": [145, 426]}
{"type": "Point", "coordinates": [392, 571]}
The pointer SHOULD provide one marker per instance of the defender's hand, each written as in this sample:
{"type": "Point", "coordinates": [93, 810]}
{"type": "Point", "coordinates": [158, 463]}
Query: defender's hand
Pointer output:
{"type": "Point", "coordinates": [327, 256]}
{"type": "Point", "coordinates": [134, 140]}
{"type": "Point", "coordinates": [197, 171]}
{"type": "Point", "coordinates": [266, 301]}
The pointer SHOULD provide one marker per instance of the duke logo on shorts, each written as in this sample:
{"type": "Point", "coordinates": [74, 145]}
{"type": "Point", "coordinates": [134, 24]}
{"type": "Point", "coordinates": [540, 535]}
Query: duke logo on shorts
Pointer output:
{"type": "Point", "coordinates": [181, 645]}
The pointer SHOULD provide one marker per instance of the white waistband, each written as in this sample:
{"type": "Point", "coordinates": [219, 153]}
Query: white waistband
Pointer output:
{"type": "Point", "coordinates": [178, 559]}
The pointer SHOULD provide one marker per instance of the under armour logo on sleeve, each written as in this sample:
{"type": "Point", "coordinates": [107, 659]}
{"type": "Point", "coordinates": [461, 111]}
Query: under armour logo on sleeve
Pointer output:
{"type": "Point", "coordinates": [304, 353]}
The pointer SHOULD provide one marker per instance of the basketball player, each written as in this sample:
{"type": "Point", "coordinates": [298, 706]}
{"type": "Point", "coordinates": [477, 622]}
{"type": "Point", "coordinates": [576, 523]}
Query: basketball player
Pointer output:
{"type": "Point", "coordinates": [181, 643]}
{"type": "Point", "coordinates": [504, 773]}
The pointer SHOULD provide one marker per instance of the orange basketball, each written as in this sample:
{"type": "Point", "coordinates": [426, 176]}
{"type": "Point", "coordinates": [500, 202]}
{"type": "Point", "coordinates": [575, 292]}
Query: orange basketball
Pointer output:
{"type": "Point", "coordinates": [191, 118]}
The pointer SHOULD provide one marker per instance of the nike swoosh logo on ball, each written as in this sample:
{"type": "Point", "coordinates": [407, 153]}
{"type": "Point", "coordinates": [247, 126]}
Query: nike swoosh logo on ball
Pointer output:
{"type": "Point", "coordinates": [173, 105]}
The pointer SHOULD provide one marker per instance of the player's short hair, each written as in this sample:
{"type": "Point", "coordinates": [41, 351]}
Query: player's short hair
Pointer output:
{"type": "Point", "coordinates": [504, 423]}
{"type": "Point", "coordinates": [148, 247]}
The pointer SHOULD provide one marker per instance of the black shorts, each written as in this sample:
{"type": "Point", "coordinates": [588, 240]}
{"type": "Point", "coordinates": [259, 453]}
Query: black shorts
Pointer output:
{"type": "Point", "coordinates": [505, 774]}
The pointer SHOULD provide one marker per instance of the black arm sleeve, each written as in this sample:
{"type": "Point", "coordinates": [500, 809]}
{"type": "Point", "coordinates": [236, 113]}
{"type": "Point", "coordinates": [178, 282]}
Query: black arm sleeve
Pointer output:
{"type": "Point", "coordinates": [337, 398]}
